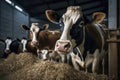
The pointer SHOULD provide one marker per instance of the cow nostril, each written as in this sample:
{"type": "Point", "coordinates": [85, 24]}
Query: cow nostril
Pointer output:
{"type": "Point", "coordinates": [67, 45]}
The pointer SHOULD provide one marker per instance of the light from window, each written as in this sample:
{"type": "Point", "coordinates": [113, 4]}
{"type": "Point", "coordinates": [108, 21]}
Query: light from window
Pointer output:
{"type": "Point", "coordinates": [10, 2]}
{"type": "Point", "coordinates": [18, 8]}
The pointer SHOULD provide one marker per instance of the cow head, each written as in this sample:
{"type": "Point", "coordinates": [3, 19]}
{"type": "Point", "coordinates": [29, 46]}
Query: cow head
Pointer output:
{"type": "Point", "coordinates": [24, 43]}
{"type": "Point", "coordinates": [34, 32]}
{"type": "Point", "coordinates": [73, 13]}
{"type": "Point", "coordinates": [7, 42]}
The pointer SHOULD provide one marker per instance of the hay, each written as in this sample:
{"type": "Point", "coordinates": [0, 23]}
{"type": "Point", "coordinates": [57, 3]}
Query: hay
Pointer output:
{"type": "Point", "coordinates": [27, 67]}
{"type": "Point", "coordinates": [46, 70]}
{"type": "Point", "coordinates": [15, 62]}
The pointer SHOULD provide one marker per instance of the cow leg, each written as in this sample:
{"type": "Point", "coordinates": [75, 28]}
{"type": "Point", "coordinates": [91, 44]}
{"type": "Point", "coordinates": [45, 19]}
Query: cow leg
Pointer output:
{"type": "Point", "coordinates": [102, 57]}
{"type": "Point", "coordinates": [76, 58]}
{"type": "Point", "coordinates": [73, 57]}
{"type": "Point", "coordinates": [95, 60]}
{"type": "Point", "coordinates": [103, 65]}
{"type": "Point", "coordinates": [68, 59]}
{"type": "Point", "coordinates": [95, 65]}
{"type": "Point", "coordinates": [88, 61]}
{"type": "Point", "coordinates": [63, 58]}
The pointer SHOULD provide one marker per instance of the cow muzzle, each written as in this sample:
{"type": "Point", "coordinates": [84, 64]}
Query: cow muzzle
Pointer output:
{"type": "Point", "coordinates": [63, 46]}
{"type": "Point", "coordinates": [34, 43]}
{"type": "Point", "coordinates": [7, 51]}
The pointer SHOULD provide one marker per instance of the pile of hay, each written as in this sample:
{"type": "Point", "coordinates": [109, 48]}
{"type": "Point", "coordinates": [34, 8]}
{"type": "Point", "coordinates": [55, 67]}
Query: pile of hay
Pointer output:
{"type": "Point", "coordinates": [47, 70]}
{"type": "Point", "coordinates": [27, 67]}
{"type": "Point", "coordinates": [15, 62]}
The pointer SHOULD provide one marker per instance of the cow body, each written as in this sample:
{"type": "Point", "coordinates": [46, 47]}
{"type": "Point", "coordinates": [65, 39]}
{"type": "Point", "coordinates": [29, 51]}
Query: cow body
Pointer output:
{"type": "Point", "coordinates": [88, 38]}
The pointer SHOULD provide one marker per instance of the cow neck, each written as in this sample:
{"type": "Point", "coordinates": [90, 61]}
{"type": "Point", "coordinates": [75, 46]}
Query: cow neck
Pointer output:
{"type": "Point", "coordinates": [98, 27]}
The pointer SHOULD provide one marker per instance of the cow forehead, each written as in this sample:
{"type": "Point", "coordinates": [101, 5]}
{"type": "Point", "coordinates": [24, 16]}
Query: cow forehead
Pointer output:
{"type": "Point", "coordinates": [8, 41]}
{"type": "Point", "coordinates": [45, 51]}
{"type": "Point", "coordinates": [74, 8]}
{"type": "Point", "coordinates": [73, 13]}
{"type": "Point", "coordinates": [23, 41]}
{"type": "Point", "coordinates": [34, 27]}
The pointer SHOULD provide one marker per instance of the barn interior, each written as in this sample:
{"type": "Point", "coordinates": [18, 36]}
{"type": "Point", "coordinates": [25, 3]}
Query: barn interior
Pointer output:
{"type": "Point", "coordinates": [14, 13]}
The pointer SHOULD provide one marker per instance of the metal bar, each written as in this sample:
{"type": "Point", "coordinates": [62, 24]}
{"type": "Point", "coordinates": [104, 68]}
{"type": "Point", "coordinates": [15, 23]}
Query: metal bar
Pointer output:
{"type": "Point", "coordinates": [113, 49]}
{"type": "Point", "coordinates": [111, 29]}
{"type": "Point", "coordinates": [113, 41]}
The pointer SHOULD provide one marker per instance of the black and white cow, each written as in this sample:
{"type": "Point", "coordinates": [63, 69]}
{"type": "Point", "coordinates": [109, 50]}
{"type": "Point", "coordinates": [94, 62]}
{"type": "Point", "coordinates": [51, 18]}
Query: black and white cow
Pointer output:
{"type": "Point", "coordinates": [10, 46]}
{"type": "Point", "coordinates": [26, 46]}
{"type": "Point", "coordinates": [88, 38]}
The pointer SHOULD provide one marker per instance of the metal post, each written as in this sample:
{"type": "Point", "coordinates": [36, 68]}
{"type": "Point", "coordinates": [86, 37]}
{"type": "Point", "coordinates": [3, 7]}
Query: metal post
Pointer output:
{"type": "Point", "coordinates": [113, 54]}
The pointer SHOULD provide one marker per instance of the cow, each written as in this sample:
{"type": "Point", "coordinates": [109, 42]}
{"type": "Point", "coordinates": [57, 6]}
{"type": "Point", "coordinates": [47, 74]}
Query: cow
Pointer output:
{"type": "Point", "coordinates": [41, 37]}
{"type": "Point", "coordinates": [87, 37]}
{"type": "Point", "coordinates": [17, 46]}
{"type": "Point", "coordinates": [26, 46]}
{"type": "Point", "coordinates": [11, 46]}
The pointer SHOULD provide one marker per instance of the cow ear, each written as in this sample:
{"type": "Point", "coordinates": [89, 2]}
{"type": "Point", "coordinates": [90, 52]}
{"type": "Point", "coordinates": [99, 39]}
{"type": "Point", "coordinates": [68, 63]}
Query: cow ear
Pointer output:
{"type": "Point", "coordinates": [52, 16]}
{"type": "Point", "coordinates": [1, 40]}
{"type": "Point", "coordinates": [98, 17]}
{"type": "Point", "coordinates": [18, 40]}
{"type": "Point", "coordinates": [46, 26]}
{"type": "Point", "coordinates": [25, 27]}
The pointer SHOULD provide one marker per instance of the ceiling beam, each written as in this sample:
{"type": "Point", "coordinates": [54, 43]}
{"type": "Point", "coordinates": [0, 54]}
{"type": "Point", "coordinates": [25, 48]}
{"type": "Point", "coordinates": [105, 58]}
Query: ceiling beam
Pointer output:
{"type": "Point", "coordinates": [32, 6]}
{"type": "Point", "coordinates": [90, 8]}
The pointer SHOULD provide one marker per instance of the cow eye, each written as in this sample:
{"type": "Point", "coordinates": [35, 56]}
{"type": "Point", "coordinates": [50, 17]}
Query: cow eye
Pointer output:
{"type": "Point", "coordinates": [33, 30]}
{"type": "Point", "coordinates": [81, 23]}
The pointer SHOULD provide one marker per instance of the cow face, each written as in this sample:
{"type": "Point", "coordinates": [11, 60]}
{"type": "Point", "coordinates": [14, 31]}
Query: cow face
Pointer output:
{"type": "Point", "coordinates": [24, 42]}
{"type": "Point", "coordinates": [73, 13]}
{"type": "Point", "coordinates": [34, 32]}
{"type": "Point", "coordinates": [44, 54]}
{"type": "Point", "coordinates": [8, 42]}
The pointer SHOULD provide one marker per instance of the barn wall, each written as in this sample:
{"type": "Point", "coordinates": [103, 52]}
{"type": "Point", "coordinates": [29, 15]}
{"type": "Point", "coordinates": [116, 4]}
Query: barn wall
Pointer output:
{"type": "Point", "coordinates": [42, 22]}
{"type": "Point", "coordinates": [10, 21]}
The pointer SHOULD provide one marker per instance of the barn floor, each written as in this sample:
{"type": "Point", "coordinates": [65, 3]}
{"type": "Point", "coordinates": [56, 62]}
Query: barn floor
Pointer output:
{"type": "Point", "coordinates": [25, 66]}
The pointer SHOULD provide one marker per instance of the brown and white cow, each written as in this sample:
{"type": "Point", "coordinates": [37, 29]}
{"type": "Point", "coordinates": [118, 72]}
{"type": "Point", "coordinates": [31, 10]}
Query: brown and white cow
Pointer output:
{"type": "Point", "coordinates": [87, 37]}
{"type": "Point", "coordinates": [42, 38]}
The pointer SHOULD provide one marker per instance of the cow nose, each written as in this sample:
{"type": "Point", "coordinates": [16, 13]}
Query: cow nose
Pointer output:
{"type": "Point", "coordinates": [7, 51]}
{"type": "Point", "coordinates": [24, 50]}
{"type": "Point", "coordinates": [34, 43]}
{"type": "Point", "coordinates": [67, 45]}
{"type": "Point", "coordinates": [63, 46]}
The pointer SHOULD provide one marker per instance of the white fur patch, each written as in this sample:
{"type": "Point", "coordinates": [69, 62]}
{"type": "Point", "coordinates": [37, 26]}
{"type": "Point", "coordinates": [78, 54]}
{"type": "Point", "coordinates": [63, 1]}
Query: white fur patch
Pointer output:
{"type": "Point", "coordinates": [24, 43]}
{"type": "Point", "coordinates": [34, 29]}
{"type": "Point", "coordinates": [8, 43]}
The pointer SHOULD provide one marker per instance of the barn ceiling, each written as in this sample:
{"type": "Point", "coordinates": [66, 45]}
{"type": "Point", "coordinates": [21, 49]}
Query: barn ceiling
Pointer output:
{"type": "Point", "coordinates": [36, 8]}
